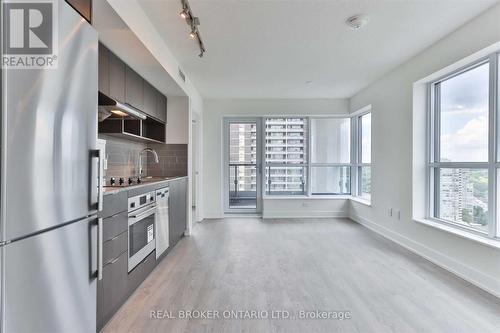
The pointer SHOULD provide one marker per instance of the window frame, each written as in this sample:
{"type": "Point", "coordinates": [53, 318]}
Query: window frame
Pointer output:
{"type": "Point", "coordinates": [434, 163]}
{"type": "Point", "coordinates": [357, 164]}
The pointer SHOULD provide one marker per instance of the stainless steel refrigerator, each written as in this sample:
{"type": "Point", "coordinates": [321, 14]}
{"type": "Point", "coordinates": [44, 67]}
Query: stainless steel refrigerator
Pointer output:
{"type": "Point", "coordinates": [49, 188]}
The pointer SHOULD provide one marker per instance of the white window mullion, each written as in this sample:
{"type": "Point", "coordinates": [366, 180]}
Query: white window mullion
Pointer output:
{"type": "Point", "coordinates": [308, 159]}
{"type": "Point", "coordinates": [493, 147]}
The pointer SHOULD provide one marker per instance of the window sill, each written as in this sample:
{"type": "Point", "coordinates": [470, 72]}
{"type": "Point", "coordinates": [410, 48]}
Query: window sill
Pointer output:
{"type": "Point", "coordinates": [361, 201]}
{"type": "Point", "coordinates": [319, 197]}
{"type": "Point", "coordinates": [461, 233]}
{"type": "Point", "coordinates": [305, 197]}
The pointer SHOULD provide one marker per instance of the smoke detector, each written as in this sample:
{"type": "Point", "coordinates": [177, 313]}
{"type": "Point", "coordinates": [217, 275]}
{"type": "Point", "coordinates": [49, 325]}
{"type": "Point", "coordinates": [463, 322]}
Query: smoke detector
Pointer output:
{"type": "Point", "coordinates": [357, 22]}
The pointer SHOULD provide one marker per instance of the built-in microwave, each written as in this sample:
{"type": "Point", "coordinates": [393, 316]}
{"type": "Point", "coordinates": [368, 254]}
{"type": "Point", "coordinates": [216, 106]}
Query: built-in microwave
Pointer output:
{"type": "Point", "coordinates": [141, 228]}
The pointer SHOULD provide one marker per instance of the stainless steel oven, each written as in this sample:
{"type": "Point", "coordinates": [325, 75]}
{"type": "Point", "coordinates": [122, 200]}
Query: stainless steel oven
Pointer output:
{"type": "Point", "coordinates": [141, 228]}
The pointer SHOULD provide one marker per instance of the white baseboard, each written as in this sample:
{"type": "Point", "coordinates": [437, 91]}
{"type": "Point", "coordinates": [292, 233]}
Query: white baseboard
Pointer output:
{"type": "Point", "coordinates": [486, 282]}
{"type": "Point", "coordinates": [213, 215]}
{"type": "Point", "coordinates": [275, 214]}
{"type": "Point", "coordinates": [287, 214]}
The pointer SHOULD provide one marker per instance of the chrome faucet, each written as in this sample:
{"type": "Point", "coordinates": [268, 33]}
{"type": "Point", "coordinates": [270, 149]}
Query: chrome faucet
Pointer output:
{"type": "Point", "coordinates": [151, 150]}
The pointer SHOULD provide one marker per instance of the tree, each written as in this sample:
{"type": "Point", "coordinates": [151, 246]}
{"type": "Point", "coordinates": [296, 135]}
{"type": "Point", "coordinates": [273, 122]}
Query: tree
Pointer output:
{"type": "Point", "coordinates": [480, 216]}
{"type": "Point", "coordinates": [466, 216]}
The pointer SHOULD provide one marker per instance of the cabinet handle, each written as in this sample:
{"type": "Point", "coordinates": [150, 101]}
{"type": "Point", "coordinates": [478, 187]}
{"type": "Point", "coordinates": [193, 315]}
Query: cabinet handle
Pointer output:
{"type": "Point", "coordinates": [114, 260]}
{"type": "Point", "coordinates": [99, 249]}
{"type": "Point", "coordinates": [144, 214]}
{"type": "Point", "coordinates": [112, 239]}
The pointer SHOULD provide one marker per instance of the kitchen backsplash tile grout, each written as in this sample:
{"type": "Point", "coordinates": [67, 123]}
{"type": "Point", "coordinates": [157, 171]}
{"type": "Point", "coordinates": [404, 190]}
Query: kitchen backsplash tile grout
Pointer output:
{"type": "Point", "coordinates": [123, 158]}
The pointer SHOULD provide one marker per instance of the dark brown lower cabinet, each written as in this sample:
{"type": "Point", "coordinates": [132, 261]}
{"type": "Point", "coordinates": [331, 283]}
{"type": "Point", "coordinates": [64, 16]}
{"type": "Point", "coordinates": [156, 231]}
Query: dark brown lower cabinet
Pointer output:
{"type": "Point", "coordinates": [141, 272]}
{"type": "Point", "coordinates": [117, 283]}
{"type": "Point", "coordinates": [112, 290]}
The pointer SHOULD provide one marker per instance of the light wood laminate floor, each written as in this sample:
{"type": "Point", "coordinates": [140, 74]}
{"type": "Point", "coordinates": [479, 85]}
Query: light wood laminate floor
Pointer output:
{"type": "Point", "coordinates": [294, 265]}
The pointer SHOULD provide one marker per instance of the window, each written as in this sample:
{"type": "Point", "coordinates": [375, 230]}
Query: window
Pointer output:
{"type": "Point", "coordinates": [286, 156]}
{"type": "Point", "coordinates": [315, 155]}
{"type": "Point", "coordinates": [363, 155]}
{"type": "Point", "coordinates": [462, 167]}
{"type": "Point", "coordinates": [330, 156]}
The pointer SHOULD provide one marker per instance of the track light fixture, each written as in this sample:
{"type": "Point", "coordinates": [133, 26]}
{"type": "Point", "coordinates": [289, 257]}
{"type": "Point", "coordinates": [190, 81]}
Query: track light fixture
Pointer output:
{"type": "Point", "coordinates": [184, 14]}
{"type": "Point", "coordinates": [193, 22]}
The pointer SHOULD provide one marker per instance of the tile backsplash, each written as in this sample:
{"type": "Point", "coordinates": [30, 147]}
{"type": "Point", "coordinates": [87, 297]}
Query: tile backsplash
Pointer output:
{"type": "Point", "coordinates": [123, 158]}
{"type": "Point", "coordinates": [173, 160]}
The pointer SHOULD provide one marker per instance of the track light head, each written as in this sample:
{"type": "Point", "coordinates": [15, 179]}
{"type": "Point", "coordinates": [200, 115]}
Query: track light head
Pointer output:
{"type": "Point", "coordinates": [193, 34]}
{"type": "Point", "coordinates": [184, 14]}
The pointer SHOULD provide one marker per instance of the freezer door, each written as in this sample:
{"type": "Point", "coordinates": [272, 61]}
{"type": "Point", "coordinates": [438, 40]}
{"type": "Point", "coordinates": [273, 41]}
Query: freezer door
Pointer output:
{"type": "Point", "coordinates": [49, 280]}
{"type": "Point", "coordinates": [49, 126]}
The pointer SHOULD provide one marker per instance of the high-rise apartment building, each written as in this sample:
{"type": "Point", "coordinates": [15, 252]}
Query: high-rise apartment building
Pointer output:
{"type": "Point", "coordinates": [286, 149]}
{"type": "Point", "coordinates": [457, 199]}
{"type": "Point", "coordinates": [242, 158]}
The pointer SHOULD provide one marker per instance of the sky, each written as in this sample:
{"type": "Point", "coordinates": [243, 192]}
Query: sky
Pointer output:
{"type": "Point", "coordinates": [464, 116]}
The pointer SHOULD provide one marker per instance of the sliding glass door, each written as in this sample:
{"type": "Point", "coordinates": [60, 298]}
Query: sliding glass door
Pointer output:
{"type": "Point", "coordinates": [243, 165]}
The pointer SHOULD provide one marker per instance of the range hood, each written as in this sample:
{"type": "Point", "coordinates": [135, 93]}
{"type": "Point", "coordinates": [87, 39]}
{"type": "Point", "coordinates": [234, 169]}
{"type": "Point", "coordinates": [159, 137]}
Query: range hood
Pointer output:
{"type": "Point", "coordinates": [110, 107]}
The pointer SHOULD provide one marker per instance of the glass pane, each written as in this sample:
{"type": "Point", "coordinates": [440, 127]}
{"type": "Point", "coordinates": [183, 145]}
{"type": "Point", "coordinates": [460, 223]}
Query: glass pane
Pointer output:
{"type": "Point", "coordinates": [330, 140]}
{"type": "Point", "coordinates": [242, 187]}
{"type": "Point", "coordinates": [286, 180]}
{"type": "Point", "coordinates": [330, 180]}
{"type": "Point", "coordinates": [243, 143]}
{"type": "Point", "coordinates": [366, 138]}
{"type": "Point", "coordinates": [464, 116]}
{"type": "Point", "coordinates": [286, 140]}
{"type": "Point", "coordinates": [463, 197]}
{"type": "Point", "coordinates": [366, 183]}
{"type": "Point", "coordinates": [242, 165]}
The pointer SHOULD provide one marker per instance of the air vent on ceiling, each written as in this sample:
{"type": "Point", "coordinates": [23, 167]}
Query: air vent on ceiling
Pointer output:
{"type": "Point", "coordinates": [181, 74]}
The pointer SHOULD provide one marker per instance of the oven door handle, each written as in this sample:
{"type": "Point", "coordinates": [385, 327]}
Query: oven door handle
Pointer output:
{"type": "Point", "coordinates": [147, 213]}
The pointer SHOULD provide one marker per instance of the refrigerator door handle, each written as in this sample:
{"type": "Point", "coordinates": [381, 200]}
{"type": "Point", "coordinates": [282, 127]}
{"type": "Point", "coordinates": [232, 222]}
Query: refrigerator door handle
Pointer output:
{"type": "Point", "coordinates": [96, 154]}
{"type": "Point", "coordinates": [100, 264]}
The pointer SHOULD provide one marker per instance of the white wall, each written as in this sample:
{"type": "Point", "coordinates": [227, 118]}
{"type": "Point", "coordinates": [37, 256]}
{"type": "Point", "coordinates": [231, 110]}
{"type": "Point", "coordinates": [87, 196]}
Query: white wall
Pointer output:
{"type": "Point", "coordinates": [213, 112]}
{"type": "Point", "coordinates": [392, 105]}
{"type": "Point", "coordinates": [305, 208]}
{"type": "Point", "coordinates": [178, 120]}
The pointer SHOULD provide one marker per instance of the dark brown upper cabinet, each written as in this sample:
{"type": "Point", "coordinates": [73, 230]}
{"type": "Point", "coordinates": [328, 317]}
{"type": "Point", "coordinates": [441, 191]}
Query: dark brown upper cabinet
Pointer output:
{"type": "Point", "coordinates": [116, 78]}
{"type": "Point", "coordinates": [134, 89]}
{"type": "Point", "coordinates": [150, 100]}
{"type": "Point", "coordinates": [120, 82]}
{"type": "Point", "coordinates": [83, 7]}
{"type": "Point", "coordinates": [104, 70]}
{"type": "Point", "coordinates": [161, 108]}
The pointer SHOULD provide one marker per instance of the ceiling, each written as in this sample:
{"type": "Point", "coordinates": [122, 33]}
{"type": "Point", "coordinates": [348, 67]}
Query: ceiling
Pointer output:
{"type": "Point", "coordinates": [118, 37]}
{"type": "Point", "coordinates": [269, 49]}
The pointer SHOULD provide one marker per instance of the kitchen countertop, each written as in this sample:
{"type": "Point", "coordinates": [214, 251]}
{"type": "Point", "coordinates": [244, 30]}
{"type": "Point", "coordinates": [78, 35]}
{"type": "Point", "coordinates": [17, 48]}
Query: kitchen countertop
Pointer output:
{"type": "Point", "coordinates": [146, 182]}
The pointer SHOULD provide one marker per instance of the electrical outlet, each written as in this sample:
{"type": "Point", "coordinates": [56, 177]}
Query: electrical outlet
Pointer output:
{"type": "Point", "coordinates": [305, 204]}
{"type": "Point", "coordinates": [390, 212]}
